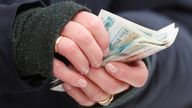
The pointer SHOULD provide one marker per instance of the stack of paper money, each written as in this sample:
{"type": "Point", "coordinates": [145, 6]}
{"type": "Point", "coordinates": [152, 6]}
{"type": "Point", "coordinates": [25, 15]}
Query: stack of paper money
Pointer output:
{"type": "Point", "coordinates": [130, 41]}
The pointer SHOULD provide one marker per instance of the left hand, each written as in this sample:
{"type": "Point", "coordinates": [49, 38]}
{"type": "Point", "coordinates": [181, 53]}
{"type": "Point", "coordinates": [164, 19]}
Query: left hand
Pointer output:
{"type": "Point", "coordinates": [115, 78]}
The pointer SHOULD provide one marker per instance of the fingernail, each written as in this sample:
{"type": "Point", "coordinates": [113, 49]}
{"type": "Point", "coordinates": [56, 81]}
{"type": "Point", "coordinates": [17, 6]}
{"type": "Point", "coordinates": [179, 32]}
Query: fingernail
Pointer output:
{"type": "Point", "coordinates": [111, 68]}
{"type": "Point", "coordinates": [106, 52]}
{"type": "Point", "coordinates": [85, 71]}
{"type": "Point", "coordinates": [67, 87]}
{"type": "Point", "coordinates": [90, 103]}
{"type": "Point", "coordinates": [82, 83]}
{"type": "Point", "coordinates": [121, 89]}
{"type": "Point", "coordinates": [98, 65]}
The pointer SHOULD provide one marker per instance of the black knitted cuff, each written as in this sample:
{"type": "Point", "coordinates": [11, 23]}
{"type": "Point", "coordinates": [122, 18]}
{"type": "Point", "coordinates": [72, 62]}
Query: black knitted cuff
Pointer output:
{"type": "Point", "coordinates": [34, 35]}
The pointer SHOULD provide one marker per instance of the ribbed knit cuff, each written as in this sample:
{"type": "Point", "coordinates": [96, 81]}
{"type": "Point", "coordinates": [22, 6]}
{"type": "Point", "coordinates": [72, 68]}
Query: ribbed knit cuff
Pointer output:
{"type": "Point", "coordinates": [34, 35]}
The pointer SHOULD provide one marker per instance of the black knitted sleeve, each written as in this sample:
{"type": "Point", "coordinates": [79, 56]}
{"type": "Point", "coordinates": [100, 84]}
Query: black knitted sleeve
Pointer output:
{"type": "Point", "coordinates": [34, 35]}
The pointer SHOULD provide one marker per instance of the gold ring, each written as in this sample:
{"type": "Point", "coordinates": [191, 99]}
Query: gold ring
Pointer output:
{"type": "Point", "coordinates": [107, 101]}
{"type": "Point", "coordinates": [57, 41]}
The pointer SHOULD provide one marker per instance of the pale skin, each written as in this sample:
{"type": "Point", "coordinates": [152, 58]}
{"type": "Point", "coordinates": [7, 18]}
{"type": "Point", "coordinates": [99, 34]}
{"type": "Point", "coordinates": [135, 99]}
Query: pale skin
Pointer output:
{"type": "Point", "coordinates": [84, 43]}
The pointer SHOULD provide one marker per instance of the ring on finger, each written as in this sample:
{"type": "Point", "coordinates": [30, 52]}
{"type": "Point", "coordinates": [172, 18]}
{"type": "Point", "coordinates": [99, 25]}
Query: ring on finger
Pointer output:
{"type": "Point", "coordinates": [56, 43]}
{"type": "Point", "coordinates": [107, 101]}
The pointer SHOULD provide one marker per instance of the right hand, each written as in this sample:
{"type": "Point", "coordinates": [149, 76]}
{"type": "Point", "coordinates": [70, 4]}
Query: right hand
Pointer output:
{"type": "Point", "coordinates": [85, 41]}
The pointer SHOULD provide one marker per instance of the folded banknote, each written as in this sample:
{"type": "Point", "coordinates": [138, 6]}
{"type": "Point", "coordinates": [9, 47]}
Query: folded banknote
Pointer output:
{"type": "Point", "coordinates": [130, 41]}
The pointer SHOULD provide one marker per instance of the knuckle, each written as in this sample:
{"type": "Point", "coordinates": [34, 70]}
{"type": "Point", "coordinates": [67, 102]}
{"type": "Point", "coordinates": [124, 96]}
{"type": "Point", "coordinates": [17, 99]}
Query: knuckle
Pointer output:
{"type": "Point", "coordinates": [79, 34]}
{"type": "Point", "coordinates": [82, 14]}
{"type": "Point", "coordinates": [94, 23]}
{"type": "Point", "coordinates": [69, 48]}
{"type": "Point", "coordinates": [83, 38]}
{"type": "Point", "coordinates": [97, 58]}
{"type": "Point", "coordinates": [92, 20]}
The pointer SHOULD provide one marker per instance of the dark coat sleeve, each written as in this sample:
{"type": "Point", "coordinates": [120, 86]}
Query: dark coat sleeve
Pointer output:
{"type": "Point", "coordinates": [9, 79]}
{"type": "Point", "coordinates": [35, 29]}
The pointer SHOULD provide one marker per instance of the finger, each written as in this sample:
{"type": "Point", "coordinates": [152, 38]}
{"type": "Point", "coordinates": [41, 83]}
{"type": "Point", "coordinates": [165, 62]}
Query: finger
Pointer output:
{"type": "Point", "coordinates": [63, 73]}
{"type": "Point", "coordinates": [95, 25]}
{"type": "Point", "coordinates": [84, 39]}
{"type": "Point", "coordinates": [93, 91]}
{"type": "Point", "coordinates": [78, 95]}
{"type": "Point", "coordinates": [72, 52]}
{"type": "Point", "coordinates": [106, 82]}
{"type": "Point", "coordinates": [135, 74]}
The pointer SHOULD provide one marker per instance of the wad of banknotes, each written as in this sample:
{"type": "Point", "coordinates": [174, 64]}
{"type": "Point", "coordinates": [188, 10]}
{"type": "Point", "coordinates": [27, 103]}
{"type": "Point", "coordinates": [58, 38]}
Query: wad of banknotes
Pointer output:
{"type": "Point", "coordinates": [130, 42]}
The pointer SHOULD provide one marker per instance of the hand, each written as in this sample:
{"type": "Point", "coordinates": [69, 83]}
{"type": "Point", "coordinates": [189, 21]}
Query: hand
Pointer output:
{"type": "Point", "coordinates": [85, 41]}
{"type": "Point", "coordinates": [99, 84]}
{"type": "Point", "coordinates": [89, 88]}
